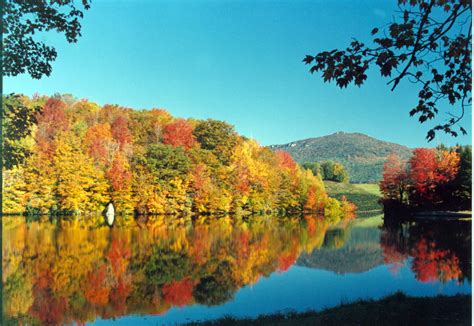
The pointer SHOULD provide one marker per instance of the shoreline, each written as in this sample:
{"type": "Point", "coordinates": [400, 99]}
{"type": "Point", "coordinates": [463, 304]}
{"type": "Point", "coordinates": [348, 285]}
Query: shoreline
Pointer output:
{"type": "Point", "coordinates": [395, 309]}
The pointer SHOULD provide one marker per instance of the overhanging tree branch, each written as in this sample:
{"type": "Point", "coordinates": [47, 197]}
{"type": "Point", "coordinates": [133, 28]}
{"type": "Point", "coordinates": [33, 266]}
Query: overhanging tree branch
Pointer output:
{"type": "Point", "coordinates": [424, 43]}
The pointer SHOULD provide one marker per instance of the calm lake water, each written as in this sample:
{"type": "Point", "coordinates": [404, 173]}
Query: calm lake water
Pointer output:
{"type": "Point", "coordinates": [176, 271]}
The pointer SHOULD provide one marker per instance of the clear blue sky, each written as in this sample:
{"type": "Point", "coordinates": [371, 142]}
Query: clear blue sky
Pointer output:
{"type": "Point", "coordinates": [238, 61]}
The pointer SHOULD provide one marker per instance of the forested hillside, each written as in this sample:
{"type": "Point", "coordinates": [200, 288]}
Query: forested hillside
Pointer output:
{"type": "Point", "coordinates": [68, 156]}
{"type": "Point", "coordinates": [363, 156]}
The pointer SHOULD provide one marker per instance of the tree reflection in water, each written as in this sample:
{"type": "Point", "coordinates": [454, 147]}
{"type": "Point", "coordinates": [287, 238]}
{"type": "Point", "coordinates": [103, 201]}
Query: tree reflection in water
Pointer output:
{"type": "Point", "coordinates": [77, 271]}
{"type": "Point", "coordinates": [440, 250]}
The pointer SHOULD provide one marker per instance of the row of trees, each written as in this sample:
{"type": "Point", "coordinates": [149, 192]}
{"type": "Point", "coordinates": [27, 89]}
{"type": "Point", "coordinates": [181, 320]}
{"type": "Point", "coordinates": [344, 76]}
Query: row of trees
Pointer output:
{"type": "Point", "coordinates": [64, 156]}
{"type": "Point", "coordinates": [142, 270]}
{"type": "Point", "coordinates": [328, 170]}
{"type": "Point", "coordinates": [432, 178]}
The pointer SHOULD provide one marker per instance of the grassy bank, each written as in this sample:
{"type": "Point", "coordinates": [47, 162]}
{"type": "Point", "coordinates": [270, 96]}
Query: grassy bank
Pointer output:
{"type": "Point", "coordinates": [365, 196]}
{"type": "Point", "coordinates": [396, 309]}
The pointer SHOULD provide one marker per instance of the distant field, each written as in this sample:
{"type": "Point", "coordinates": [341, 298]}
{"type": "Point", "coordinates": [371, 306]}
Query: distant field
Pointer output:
{"type": "Point", "coordinates": [372, 188]}
{"type": "Point", "coordinates": [365, 195]}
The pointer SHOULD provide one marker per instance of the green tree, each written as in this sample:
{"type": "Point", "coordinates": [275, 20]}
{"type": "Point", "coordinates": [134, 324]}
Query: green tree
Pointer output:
{"type": "Point", "coordinates": [23, 50]}
{"type": "Point", "coordinates": [19, 120]}
{"type": "Point", "coordinates": [166, 162]}
{"type": "Point", "coordinates": [315, 167]}
{"type": "Point", "coordinates": [327, 170]}
{"type": "Point", "coordinates": [218, 137]}
{"type": "Point", "coordinates": [462, 183]}
{"type": "Point", "coordinates": [429, 45]}
{"type": "Point", "coordinates": [334, 171]}
{"type": "Point", "coordinates": [340, 173]}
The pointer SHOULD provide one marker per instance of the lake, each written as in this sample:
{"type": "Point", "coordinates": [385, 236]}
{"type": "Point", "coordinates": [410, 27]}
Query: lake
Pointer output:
{"type": "Point", "coordinates": [176, 270]}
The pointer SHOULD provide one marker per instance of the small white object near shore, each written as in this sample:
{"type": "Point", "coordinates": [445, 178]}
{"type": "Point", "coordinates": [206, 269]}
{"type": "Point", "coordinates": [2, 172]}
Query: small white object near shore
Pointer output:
{"type": "Point", "coordinates": [110, 214]}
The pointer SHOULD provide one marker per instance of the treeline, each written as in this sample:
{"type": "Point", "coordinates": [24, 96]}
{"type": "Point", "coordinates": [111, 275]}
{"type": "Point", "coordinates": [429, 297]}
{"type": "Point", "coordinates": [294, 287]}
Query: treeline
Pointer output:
{"type": "Point", "coordinates": [431, 179]}
{"type": "Point", "coordinates": [328, 170]}
{"type": "Point", "coordinates": [68, 156]}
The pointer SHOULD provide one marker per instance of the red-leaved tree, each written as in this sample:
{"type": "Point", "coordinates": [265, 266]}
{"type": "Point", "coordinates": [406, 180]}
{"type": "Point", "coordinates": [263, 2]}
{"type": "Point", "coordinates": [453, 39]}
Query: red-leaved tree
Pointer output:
{"type": "Point", "coordinates": [51, 121]}
{"type": "Point", "coordinates": [120, 131]}
{"type": "Point", "coordinates": [285, 160]}
{"type": "Point", "coordinates": [423, 174]}
{"type": "Point", "coordinates": [178, 293]}
{"type": "Point", "coordinates": [119, 173]}
{"type": "Point", "coordinates": [179, 133]}
{"type": "Point", "coordinates": [431, 171]}
{"type": "Point", "coordinates": [395, 179]}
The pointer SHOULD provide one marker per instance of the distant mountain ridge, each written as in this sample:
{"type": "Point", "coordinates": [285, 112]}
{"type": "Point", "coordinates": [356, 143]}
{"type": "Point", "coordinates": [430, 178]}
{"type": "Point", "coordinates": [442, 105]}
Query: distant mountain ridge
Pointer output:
{"type": "Point", "coordinates": [361, 252]}
{"type": "Point", "coordinates": [362, 155]}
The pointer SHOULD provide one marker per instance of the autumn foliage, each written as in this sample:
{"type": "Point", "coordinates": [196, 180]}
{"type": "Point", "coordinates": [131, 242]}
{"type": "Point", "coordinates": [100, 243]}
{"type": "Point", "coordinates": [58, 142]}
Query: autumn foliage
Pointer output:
{"type": "Point", "coordinates": [395, 179]}
{"type": "Point", "coordinates": [179, 133]}
{"type": "Point", "coordinates": [285, 160]}
{"type": "Point", "coordinates": [432, 264]}
{"type": "Point", "coordinates": [98, 141]}
{"type": "Point", "coordinates": [119, 173]}
{"type": "Point", "coordinates": [77, 156]}
{"type": "Point", "coordinates": [78, 271]}
{"type": "Point", "coordinates": [120, 131]}
{"type": "Point", "coordinates": [428, 179]}
{"type": "Point", "coordinates": [438, 250]}
{"type": "Point", "coordinates": [178, 293]}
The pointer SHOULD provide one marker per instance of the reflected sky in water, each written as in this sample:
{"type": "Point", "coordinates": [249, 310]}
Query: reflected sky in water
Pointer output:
{"type": "Point", "coordinates": [302, 288]}
{"type": "Point", "coordinates": [156, 274]}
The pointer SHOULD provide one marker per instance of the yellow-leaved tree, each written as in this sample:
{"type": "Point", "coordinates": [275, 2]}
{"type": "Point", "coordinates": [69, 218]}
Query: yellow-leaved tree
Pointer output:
{"type": "Point", "coordinates": [40, 183]}
{"type": "Point", "coordinates": [80, 186]}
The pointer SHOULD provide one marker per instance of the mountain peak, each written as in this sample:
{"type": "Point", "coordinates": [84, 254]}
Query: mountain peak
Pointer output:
{"type": "Point", "coordinates": [362, 155]}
